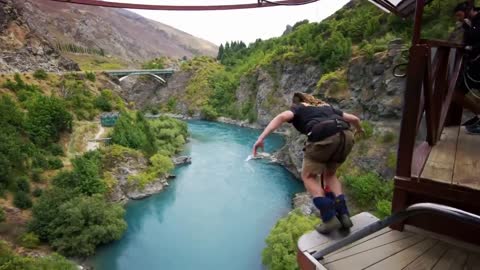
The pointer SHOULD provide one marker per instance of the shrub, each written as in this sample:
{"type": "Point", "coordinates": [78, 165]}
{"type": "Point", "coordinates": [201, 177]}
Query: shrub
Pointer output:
{"type": "Point", "coordinates": [209, 113]}
{"type": "Point", "coordinates": [103, 103]}
{"type": "Point", "coordinates": [29, 240]}
{"type": "Point", "coordinates": [55, 163]}
{"type": "Point", "coordinates": [97, 222]}
{"type": "Point", "coordinates": [37, 175]}
{"type": "Point", "coordinates": [40, 74]}
{"type": "Point", "coordinates": [388, 137]}
{"type": "Point", "coordinates": [37, 192]}
{"type": "Point", "coordinates": [368, 188]}
{"type": "Point", "coordinates": [383, 208]}
{"type": "Point", "coordinates": [56, 150]}
{"type": "Point", "coordinates": [47, 117]}
{"type": "Point", "coordinates": [2, 215]}
{"type": "Point", "coordinates": [22, 184]}
{"type": "Point", "coordinates": [281, 243]}
{"type": "Point", "coordinates": [22, 200]}
{"type": "Point", "coordinates": [85, 176]}
{"type": "Point", "coordinates": [90, 76]}
{"type": "Point", "coordinates": [367, 128]}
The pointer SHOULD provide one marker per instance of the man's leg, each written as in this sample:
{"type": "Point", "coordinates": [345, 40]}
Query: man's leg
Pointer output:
{"type": "Point", "coordinates": [340, 202]}
{"type": "Point", "coordinates": [324, 204]}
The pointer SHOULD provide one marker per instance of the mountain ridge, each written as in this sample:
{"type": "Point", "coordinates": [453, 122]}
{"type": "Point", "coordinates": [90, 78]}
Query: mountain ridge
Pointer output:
{"type": "Point", "coordinates": [120, 33]}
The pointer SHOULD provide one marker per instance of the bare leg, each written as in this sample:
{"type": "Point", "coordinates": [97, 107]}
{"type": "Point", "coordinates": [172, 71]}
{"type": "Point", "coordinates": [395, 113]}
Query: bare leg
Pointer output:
{"type": "Point", "coordinates": [332, 182]}
{"type": "Point", "coordinates": [312, 185]}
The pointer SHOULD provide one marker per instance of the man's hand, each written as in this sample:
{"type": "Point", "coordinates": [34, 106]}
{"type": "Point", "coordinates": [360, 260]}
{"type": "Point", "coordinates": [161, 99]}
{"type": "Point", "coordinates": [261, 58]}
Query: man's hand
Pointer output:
{"type": "Point", "coordinates": [258, 144]}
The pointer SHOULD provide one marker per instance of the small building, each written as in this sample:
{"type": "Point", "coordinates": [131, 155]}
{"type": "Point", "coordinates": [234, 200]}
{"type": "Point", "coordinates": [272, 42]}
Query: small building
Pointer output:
{"type": "Point", "coordinates": [109, 119]}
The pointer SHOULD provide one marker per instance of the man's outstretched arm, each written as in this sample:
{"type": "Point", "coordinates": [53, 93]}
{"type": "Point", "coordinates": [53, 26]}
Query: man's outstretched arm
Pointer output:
{"type": "Point", "coordinates": [283, 117]}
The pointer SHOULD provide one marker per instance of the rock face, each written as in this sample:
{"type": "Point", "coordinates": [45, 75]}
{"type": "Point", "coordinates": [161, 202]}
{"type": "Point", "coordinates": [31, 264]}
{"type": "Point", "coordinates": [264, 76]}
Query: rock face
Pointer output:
{"type": "Point", "coordinates": [22, 49]}
{"type": "Point", "coordinates": [118, 32]}
{"type": "Point", "coordinates": [182, 160]}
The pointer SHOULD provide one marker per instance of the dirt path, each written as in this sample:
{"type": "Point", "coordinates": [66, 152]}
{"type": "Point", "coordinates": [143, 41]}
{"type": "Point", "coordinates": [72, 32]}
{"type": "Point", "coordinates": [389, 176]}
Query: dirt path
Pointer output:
{"type": "Point", "coordinates": [94, 145]}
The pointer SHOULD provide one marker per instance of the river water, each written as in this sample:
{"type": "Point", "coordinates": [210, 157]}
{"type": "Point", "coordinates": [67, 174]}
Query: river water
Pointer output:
{"type": "Point", "coordinates": [215, 215]}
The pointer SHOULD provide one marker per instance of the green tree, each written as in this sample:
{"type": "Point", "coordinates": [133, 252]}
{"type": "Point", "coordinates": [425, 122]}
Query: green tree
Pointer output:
{"type": "Point", "coordinates": [280, 251]}
{"type": "Point", "coordinates": [47, 117]}
{"type": "Point", "coordinates": [83, 223]}
{"type": "Point", "coordinates": [22, 200]}
{"type": "Point", "coordinates": [220, 52]}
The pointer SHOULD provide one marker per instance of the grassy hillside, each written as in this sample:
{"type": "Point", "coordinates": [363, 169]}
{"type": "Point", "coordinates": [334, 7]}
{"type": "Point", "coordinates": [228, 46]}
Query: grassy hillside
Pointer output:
{"type": "Point", "coordinates": [47, 171]}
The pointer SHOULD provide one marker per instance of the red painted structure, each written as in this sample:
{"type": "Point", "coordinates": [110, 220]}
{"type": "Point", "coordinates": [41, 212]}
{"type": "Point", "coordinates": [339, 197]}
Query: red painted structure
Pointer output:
{"type": "Point", "coordinates": [258, 4]}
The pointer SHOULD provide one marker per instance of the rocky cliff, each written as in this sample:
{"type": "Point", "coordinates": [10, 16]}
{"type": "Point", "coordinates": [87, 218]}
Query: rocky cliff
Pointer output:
{"type": "Point", "coordinates": [365, 86]}
{"type": "Point", "coordinates": [22, 49]}
{"type": "Point", "coordinates": [117, 32]}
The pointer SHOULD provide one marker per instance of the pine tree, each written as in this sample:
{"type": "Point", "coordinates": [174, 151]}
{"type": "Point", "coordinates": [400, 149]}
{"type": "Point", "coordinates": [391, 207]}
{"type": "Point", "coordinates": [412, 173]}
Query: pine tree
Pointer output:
{"type": "Point", "coordinates": [220, 52]}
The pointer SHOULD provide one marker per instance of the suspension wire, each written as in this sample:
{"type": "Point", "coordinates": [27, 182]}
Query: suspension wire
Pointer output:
{"type": "Point", "coordinates": [258, 4]}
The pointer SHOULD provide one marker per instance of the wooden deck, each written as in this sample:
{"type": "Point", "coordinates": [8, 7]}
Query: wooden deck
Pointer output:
{"type": "Point", "coordinates": [454, 160]}
{"type": "Point", "coordinates": [411, 249]}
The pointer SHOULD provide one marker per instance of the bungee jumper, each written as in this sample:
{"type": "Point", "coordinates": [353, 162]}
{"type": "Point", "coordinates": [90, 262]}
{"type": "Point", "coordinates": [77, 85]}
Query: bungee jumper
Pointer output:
{"type": "Point", "coordinates": [330, 140]}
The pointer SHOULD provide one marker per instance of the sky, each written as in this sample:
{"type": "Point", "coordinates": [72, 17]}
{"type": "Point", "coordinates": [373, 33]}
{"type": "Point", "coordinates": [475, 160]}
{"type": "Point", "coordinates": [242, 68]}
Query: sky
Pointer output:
{"type": "Point", "coordinates": [241, 25]}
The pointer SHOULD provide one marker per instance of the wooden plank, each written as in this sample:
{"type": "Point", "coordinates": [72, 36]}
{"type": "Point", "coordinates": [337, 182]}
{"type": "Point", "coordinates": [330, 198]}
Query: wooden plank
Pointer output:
{"type": "Point", "coordinates": [404, 258]}
{"type": "Point", "coordinates": [440, 163]}
{"type": "Point", "coordinates": [365, 239]}
{"type": "Point", "coordinates": [370, 257]}
{"type": "Point", "coordinates": [453, 259]}
{"type": "Point", "coordinates": [473, 262]}
{"type": "Point", "coordinates": [379, 241]}
{"type": "Point", "coordinates": [467, 165]}
{"type": "Point", "coordinates": [427, 260]}
{"type": "Point", "coordinates": [313, 241]}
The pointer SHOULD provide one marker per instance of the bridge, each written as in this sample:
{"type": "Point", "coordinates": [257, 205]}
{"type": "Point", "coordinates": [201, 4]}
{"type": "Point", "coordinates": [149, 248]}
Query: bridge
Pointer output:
{"type": "Point", "coordinates": [158, 74]}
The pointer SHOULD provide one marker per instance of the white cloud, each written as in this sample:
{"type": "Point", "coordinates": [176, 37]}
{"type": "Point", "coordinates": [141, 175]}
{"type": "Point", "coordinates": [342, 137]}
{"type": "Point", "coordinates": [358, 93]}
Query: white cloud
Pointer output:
{"type": "Point", "coordinates": [246, 25]}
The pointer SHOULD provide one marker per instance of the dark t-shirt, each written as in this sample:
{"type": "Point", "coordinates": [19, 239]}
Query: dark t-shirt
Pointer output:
{"type": "Point", "coordinates": [305, 117]}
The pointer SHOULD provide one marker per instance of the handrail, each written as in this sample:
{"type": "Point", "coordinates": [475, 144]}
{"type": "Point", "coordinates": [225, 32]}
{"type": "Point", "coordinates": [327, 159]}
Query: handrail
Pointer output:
{"type": "Point", "coordinates": [413, 210]}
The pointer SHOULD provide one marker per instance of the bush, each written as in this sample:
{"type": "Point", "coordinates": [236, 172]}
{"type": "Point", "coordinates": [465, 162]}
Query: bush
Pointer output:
{"type": "Point", "coordinates": [97, 222]}
{"type": "Point", "coordinates": [85, 176]}
{"type": "Point", "coordinates": [368, 188]}
{"type": "Point", "coordinates": [37, 192]}
{"type": "Point", "coordinates": [47, 117]}
{"type": "Point", "coordinates": [40, 74]}
{"type": "Point", "coordinates": [103, 103]}
{"type": "Point", "coordinates": [281, 243]}
{"type": "Point", "coordinates": [2, 215]}
{"type": "Point", "coordinates": [22, 184]}
{"type": "Point", "coordinates": [55, 163]}
{"type": "Point", "coordinates": [388, 137]}
{"type": "Point", "coordinates": [209, 113]}
{"type": "Point", "coordinates": [22, 200]}
{"type": "Point", "coordinates": [367, 128]}
{"type": "Point", "coordinates": [29, 240]}
{"type": "Point", "coordinates": [90, 76]}
{"type": "Point", "coordinates": [56, 150]}
{"type": "Point", "coordinates": [37, 175]}
{"type": "Point", "coordinates": [383, 208]}
{"type": "Point", "coordinates": [10, 261]}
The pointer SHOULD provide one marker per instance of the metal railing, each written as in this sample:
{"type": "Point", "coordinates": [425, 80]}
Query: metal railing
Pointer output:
{"type": "Point", "coordinates": [413, 210]}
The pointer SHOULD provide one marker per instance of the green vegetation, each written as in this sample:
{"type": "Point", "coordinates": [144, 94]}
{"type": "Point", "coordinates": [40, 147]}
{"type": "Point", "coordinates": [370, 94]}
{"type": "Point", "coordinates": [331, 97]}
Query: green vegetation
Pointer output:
{"type": "Point", "coordinates": [280, 252]}
{"type": "Point", "coordinates": [2, 215]}
{"type": "Point", "coordinates": [90, 76]}
{"type": "Point", "coordinates": [22, 200]}
{"type": "Point", "coordinates": [157, 63]}
{"type": "Point", "coordinates": [97, 62]}
{"type": "Point", "coordinates": [10, 261]}
{"type": "Point", "coordinates": [29, 240]}
{"type": "Point", "coordinates": [369, 190]}
{"type": "Point", "coordinates": [40, 74]}
{"type": "Point", "coordinates": [73, 48]}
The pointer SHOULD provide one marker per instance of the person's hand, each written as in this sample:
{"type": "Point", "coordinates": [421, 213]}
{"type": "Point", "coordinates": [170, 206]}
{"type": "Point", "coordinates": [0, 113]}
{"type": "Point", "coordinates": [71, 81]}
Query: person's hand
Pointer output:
{"type": "Point", "coordinates": [258, 144]}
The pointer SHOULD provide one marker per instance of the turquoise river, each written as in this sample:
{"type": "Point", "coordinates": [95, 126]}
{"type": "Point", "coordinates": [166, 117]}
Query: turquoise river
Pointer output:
{"type": "Point", "coordinates": [216, 214]}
